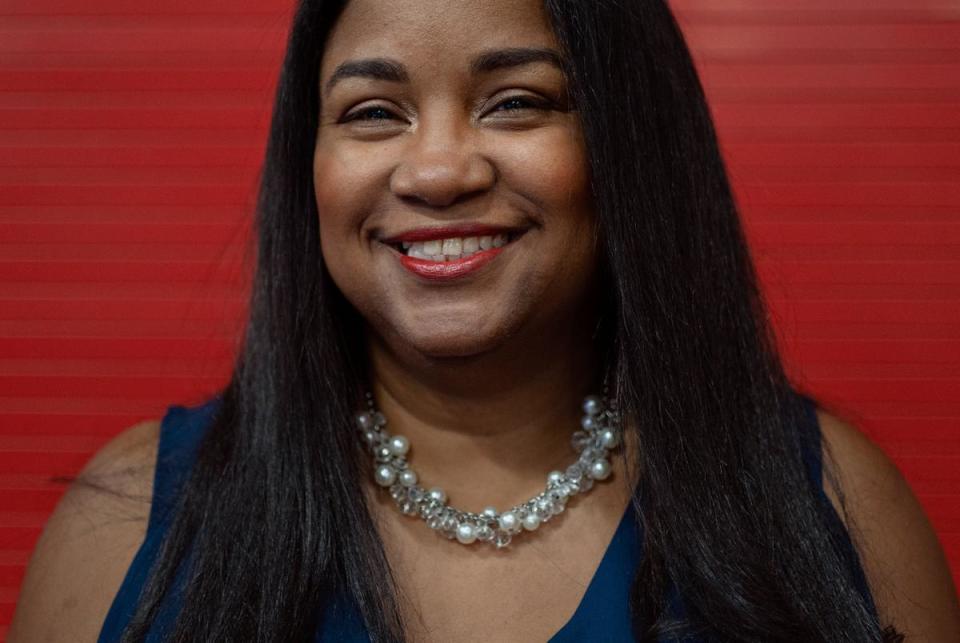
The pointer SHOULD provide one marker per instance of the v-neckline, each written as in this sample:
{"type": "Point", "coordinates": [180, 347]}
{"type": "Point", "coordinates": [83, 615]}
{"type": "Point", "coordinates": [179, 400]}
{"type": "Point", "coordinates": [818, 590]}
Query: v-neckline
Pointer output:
{"type": "Point", "coordinates": [610, 580]}
{"type": "Point", "coordinates": [624, 545]}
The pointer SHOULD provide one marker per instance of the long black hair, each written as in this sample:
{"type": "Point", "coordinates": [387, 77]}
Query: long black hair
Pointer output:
{"type": "Point", "coordinates": [272, 519]}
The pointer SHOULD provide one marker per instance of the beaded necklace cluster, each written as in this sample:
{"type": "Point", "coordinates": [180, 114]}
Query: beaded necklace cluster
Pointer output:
{"type": "Point", "coordinates": [598, 434]}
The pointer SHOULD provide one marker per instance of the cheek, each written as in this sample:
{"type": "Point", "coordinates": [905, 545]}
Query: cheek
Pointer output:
{"type": "Point", "coordinates": [337, 191]}
{"type": "Point", "coordinates": [340, 189]}
{"type": "Point", "coordinates": [561, 181]}
{"type": "Point", "coordinates": [332, 189]}
{"type": "Point", "coordinates": [555, 174]}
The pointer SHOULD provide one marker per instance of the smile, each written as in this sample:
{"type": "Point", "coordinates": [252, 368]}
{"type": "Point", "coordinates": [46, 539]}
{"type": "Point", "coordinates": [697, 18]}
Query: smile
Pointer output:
{"type": "Point", "coordinates": [453, 257]}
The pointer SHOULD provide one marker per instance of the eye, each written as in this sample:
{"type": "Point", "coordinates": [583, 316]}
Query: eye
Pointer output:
{"type": "Point", "coordinates": [372, 109]}
{"type": "Point", "coordinates": [526, 102]}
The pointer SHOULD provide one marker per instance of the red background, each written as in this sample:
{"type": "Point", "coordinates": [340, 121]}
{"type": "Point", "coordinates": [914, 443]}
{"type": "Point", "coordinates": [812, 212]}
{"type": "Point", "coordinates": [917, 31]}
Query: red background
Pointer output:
{"type": "Point", "coordinates": [130, 138]}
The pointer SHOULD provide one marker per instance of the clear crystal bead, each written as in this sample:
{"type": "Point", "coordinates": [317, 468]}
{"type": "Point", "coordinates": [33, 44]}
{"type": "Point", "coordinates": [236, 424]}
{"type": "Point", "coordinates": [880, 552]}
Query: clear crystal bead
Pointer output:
{"type": "Point", "coordinates": [588, 455]}
{"type": "Point", "coordinates": [449, 522]}
{"type": "Point", "coordinates": [435, 522]}
{"type": "Point", "coordinates": [579, 440]}
{"type": "Point", "coordinates": [383, 454]}
{"type": "Point", "coordinates": [501, 539]}
{"type": "Point", "coordinates": [398, 491]}
{"type": "Point", "coordinates": [379, 419]}
{"type": "Point", "coordinates": [575, 471]}
{"type": "Point", "coordinates": [485, 533]}
{"type": "Point", "coordinates": [409, 507]}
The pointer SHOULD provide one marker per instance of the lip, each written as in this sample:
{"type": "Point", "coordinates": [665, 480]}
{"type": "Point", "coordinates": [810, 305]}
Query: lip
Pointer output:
{"type": "Point", "coordinates": [449, 270]}
{"type": "Point", "coordinates": [439, 271]}
{"type": "Point", "coordinates": [452, 231]}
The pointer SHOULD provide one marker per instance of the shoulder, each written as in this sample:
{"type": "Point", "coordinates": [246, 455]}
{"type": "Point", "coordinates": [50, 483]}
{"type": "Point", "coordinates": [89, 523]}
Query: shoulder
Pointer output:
{"type": "Point", "coordinates": [902, 558]}
{"type": "Point", "coordinates": [89, 541]}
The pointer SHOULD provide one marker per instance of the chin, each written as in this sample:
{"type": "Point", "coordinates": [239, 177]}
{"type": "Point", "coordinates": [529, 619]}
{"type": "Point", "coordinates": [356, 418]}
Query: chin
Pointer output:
{"type": "Point", "coordinates": [460, 337]}
{"type": "Point", "coordinates": [453, 345]}
{"type": "Point", "coordinates": [454, 352]}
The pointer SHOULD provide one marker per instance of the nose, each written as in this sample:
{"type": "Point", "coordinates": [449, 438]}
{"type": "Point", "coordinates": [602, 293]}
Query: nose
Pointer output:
{"type": "Point", "coordinates": [442, 164]}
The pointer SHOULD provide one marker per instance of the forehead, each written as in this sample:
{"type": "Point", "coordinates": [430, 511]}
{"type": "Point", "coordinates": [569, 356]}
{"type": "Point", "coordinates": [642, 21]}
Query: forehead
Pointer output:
{"type": "Point", "coordinates": [434, 34]}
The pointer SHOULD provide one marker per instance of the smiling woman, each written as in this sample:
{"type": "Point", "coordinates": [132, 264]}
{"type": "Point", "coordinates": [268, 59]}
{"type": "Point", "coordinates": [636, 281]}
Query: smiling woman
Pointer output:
{"type": "Point", "coordinates": [473, 137]}
{"type": "Point", "coordinates": [496, 240]}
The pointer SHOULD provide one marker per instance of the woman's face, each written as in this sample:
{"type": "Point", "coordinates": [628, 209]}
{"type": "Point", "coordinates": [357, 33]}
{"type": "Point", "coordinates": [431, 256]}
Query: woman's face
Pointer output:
{"type": "Point", "coordinates": [441, 132]}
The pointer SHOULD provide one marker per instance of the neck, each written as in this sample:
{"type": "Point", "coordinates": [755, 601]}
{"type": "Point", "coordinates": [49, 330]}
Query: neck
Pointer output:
{"type": "Point", "coordinates": [487, 428]}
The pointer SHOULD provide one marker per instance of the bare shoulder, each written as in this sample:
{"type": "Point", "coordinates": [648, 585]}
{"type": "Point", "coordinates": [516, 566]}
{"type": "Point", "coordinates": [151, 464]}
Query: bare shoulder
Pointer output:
{"type": "Point", "coordinates": [88, 542]}
{"type": "Point", "coordinates": [902, 557]}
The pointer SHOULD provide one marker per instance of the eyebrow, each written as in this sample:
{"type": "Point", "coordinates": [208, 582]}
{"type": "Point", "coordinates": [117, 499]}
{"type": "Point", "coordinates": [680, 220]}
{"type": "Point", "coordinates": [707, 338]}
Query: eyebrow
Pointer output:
{"type": "Point", "coordinates": [389, 69]}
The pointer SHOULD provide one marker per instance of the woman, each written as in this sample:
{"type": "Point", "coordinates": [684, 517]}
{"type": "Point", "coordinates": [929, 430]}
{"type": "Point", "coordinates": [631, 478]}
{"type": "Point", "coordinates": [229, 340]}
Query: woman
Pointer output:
{"type": "Point", "coordinates": [481, 212]}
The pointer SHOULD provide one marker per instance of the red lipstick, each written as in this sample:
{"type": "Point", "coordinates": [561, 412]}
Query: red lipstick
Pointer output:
{"type": "Point", "coordinates": [447, 270]}
{"type": "Point", "coordinates": [455, 268]}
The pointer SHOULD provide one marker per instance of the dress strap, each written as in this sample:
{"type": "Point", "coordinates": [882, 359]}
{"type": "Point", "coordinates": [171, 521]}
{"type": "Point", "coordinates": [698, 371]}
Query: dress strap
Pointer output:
{"type": "Point", "coordinates": [811, 440]}
{"type": "Point", "coordinates": [181, 431]}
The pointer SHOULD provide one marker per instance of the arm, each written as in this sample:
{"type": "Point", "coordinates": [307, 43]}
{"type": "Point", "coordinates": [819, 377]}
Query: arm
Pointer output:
{"type": "Point", "coordinates": [902, 558]}
{"type": "Point", "coordinates": [88, 543]}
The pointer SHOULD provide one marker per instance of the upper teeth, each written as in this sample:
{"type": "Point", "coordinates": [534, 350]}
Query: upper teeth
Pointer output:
{"type": "Point", "coordinates": [453, 248]}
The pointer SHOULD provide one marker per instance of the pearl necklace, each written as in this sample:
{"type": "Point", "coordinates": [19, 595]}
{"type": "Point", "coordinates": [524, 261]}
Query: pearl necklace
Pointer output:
{"type": "Point", "coordinates": [598, 434]}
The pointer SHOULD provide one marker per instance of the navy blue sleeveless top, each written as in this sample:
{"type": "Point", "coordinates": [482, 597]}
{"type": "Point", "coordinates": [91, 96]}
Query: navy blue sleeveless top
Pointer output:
{"type": "Point", "coordinates": [603, 613]}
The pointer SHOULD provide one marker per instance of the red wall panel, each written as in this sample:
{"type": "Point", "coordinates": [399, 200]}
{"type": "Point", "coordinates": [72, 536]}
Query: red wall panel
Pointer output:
{"type": "Point", "coordinates": [130, 138]}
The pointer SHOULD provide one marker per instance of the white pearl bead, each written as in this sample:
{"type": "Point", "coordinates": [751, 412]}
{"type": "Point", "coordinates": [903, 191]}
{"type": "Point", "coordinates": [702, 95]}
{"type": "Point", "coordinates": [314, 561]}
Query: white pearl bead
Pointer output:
{"type": "Point", "coordinates": [609, 439]}
{"type": "Point", "coordinates": [385, 475]}
{"type": "Point", "coordinates": [466, 533]}
{"type": "Point", "coordinates": [364, 421]}
{"type": "Point", "coordinates": [554, 477]}
{"type": "Point", "coordinates": [408, 477]}
{"type": "Point", "coordinates": [399, 445]}
{"type": "Point", "coordinates": [600, 469]}
{"type": "Point", "coordinates": [592, 405]}
{"type": "Point", "coordinates": [490, 512]}
{"type": "Point", "coordinates": [531, 521]}
{"type": "Point", "coordinates": [438, 494]}
{"type": "Point", "coordinates": [509, 522]}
